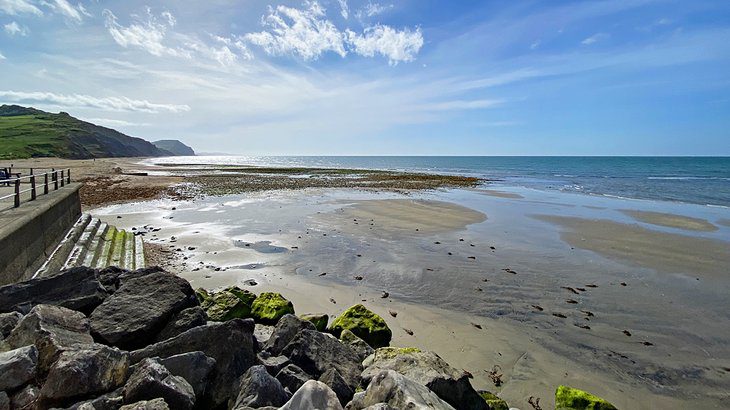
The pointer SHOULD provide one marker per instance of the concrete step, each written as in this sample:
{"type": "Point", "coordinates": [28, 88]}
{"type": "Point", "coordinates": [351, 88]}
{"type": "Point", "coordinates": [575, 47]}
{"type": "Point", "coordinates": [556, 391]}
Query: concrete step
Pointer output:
{"type": "Point", "coordinates": [139, 262]}
{"type": "Point", "coordinates": [59, 255]}
{"type": "Point", "coordinates": [105, 247]}
{"type": "Point", "coordinates": [95, 246]}
{"type": "Point", "coordinates": [127, 260]}
{"type": "Point", "coordinates": [118, 249]}
{"type": "Point", "coordinates": [78, 253]}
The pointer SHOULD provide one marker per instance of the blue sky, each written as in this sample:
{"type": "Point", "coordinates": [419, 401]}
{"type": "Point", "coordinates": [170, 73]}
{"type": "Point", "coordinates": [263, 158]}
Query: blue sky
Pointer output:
{"type": "Point", "coordinates": [354, 77]}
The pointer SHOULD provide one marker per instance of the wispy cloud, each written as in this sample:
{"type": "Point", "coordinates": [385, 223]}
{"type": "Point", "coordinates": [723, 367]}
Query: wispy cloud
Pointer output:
{"type": "Point", "coordinates": [344, 9]}
{"type": "Point", "coordinates": [147, 35]}
{"type": "Point", "coordinates": [461, 105]}
{"type": "Point", "coordinates": [18, 7]}
{"type": "Point", "coordinates": [109, 122]}
{"type": "Point", "coordinates": [65, 8]}
{"type": "Point", "coordinates": [79, 100]}
{"type": "Point", "coordinates": [397, 45]}
{"type": "Point", "coordinates": [13, 29]}
{"type": "Point", "coordinates": [594, 39]}
{"type": "Point", "coordinates": [373, 9]}
{"type": "Point", "coordinates": [2, 57]}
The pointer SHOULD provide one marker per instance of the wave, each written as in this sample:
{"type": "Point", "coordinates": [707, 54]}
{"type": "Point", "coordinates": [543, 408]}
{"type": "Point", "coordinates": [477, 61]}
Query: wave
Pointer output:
{"type": "Point", "coordinates": [690, 178]}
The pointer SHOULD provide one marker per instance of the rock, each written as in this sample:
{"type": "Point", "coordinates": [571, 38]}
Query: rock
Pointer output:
{"type": "Point", "coordinates": [230, 343]}
{"type": "Point", "coordinates": [313, 395]}
{"type": "Point", "coordinates": [82, 371]}
{"type": "Point", "coordinates": [316, 352]}
{"type": "Point", "coordinates": [110, 401]}
{"type": "Point", "coordinates": [292, 377]}
{"type": "Point", "coordinates": [318, 319]}
{"type": "Point", "coordinates": [17, 367]}
{"type": "Point", "coordinates": [182, 321]}
{"type": "Point", "coordinates": [338, 385]}
{"type": "Point", "coordinates": [52, 330]}
{"type": "Point", "coordinates": [258, 388]}
{"type": "Point", "coordinates": [156, 404]}
{"type": "Point", "coordinates": [4, 401]}
{"type": "Point", "coordinates": [494, 402]}
{"type": "Point", "coordinates": [227, 305]}
{"type": "Point", "coordinates": [568, 398]}
{"type": "Point", "coordinates": [269, 307]}
{"type": "Point", "coordinates": [25, 398]}
{"type": "Point", "coordinates": [152, 380]}
{"type": "Point", "coordinates": [135, 313]}
{"type": "Point", "coordinates": [362, 349]}
{"type": "Point", "coordinates": [364, 324]}
{"type": "Point", "coordinates": [75, 288]}
{"type": "Point", "coordinates": [202, 295]}
{"type": "Point", "coordinates": [395, 390]}
{"type": "Point", "coordinates": [7, 322]}
{"type": "Point", "coordinates": [428, 369]}
{"type": "Point", "coordinates": [113, 277]}
{"type": "Point", "coordinates": [274, 364]}
{"type": "Point", "coordinates": [195, 367]}
{"type": "Point", "coordinates": [286, 328]}
{"type": "Point", "coordinates": [262, 333]}
{"type": "Point", "coordinates": [380, 406]}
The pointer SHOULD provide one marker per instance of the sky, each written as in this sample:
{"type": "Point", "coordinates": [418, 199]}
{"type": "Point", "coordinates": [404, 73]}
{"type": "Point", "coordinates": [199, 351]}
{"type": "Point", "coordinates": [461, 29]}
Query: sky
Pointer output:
{"type": "Point", "coordinates": [365, 77]}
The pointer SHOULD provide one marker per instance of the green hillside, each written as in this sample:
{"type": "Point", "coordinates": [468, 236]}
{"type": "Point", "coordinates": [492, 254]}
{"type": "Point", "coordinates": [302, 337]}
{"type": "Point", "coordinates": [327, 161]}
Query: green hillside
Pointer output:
{"type": "Point", "coordinates": [27, 132]}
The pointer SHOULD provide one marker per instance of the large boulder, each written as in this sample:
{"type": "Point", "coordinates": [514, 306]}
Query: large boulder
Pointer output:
{"type": "Point", "coordinates": [17, 367]}
{"type": "Point", "coordinates": [319, 320]}
{"type": "Point", "coordinates": [83, 371]}
{"type": "Point", "coordinates": [397, 391]}
{"type": "Point", "coordinates": [313, 395]}
{"type": "Point", "coordinates": [155, 404]}
{"type": "Point", "coordinates": [292, 377]}
{"type": "Point", "coordinates": [195, 367]}
{"type": "Point", "coordinates": [286, 328]}
{"type": "Point", "coordinates": [184, 320]}
{"type": "Point", "coordinates": [360, 347]}
{"type": "Point", "coordinates": [229, 303]}
{"type": "Point", "coordinates": [52, 329]}
{"type": "Point", "coordinates": [273, 363]}
{"type": "Point", "coordinates": [8, 321]}
{"type": "Point", "coordinates": [568, 398]}
{"type": "Point", "coordinates": [26, 398]}
{"type": "Point", "coordinates": [334, 380]}
{"type": "Point", "coordinates": [151, 380]}
{"type": "Point", "coordinates": [230, 343]}
{"type": "Point", "coordinates": [317, 352]}
{"type": "Point", "coordinates": [76, 288]}
{"type": "Point", "coordinates": [428, 369]}
{"type": "Point", "coordinates": [258, 389]}
{"type": "Point", "coordinates": [140, 308]}
{"type": "Point", "coordinates": [269, 307]}
{"type": "Point", "coordinates": [113, 277]}
{"type": "Point", "coordinates": [365, 324]}
{"type": "Point", "coordinates": [109, 401]}
{"type": "Point", "coordinates": [4, 401]}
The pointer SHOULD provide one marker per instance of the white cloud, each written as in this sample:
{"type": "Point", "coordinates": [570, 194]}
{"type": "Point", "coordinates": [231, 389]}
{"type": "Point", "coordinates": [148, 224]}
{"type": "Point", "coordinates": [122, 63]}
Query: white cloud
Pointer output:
{"type": "Point", "coordinates": [17, 7]}
{"type": "Point", "coordinates": [461, 105]}
{"type": "Point", "coordinates": [87, 101]}
{"type": "Point", "coordinates": [397, 45]}
{"type": "Point", "coordinates": [374, 9]}
{"type": "Point", "coordinates": [2, 57]}
{"type": "Point", "coordinates": [344, 9]}
{"type": "Point", "coordinates": [594, 39]}
{"type": "Point", "coordinates": [66, 9]}
{"type": "Point", "coordinates": [171, 20]}
{"type": "Point", "coordinates": [304, 32]}
{"type": "Point", "coordinates": [147, 35]}
{"type": "Point", "coordinates": [114, 123]}
{"type": "Point", "coordinates": [13, 28]}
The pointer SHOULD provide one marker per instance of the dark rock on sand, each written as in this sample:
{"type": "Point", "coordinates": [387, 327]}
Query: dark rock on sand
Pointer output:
{"type": "Point", "coordinates": [258, 388]}
{"type": "Point", "coordinates": [7, 322]}
{"type": "Point", "coordinates": [152, 380]}
{"type": "Point", "coordinates": [292, 377]}
{"type": "Point", "coordinates": [313, 395]}
{"type": "Point", "coordinates": [184, 320]}
{"type": "Point", "coordinates": [230, 343]}
{"type": "Point", "coordinates": [397, 391]}
{"type": "Point", "coordinates": [365, 324]}
{"type": "Point", "coordinates": [285, 330]}
{"type": "Point", "coordinates": [142, 306]}
{"type": "Point", "coordinates": [334, 380]}
{"type": "Point", "coordinates": [195, 367]}
{"type": "Point", "coordinates": [17, 367]}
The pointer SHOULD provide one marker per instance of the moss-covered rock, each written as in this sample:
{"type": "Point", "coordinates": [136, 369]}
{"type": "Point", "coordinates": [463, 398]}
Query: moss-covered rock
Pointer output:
{"type": "Point", "coordinates": [364, 324]}
{"type": "Point", "coordinates": [494, 402]}
{"type": "Point", "coordinates": [202, 295]}
{"type": "Point", "coordinates": [568, 398]}
{"type": "Point", "coordinates": [269, 307]}
{"type": "Point", "coordinates": [246, 296]}
{"type": "Point", "coordinates": [224, 305]}
{"type": "Point", "coordinates": [320, 320]}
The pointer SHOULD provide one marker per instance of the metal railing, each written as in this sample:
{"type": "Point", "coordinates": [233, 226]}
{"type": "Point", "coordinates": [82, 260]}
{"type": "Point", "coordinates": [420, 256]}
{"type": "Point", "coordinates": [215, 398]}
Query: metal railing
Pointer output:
{"type": "Point", "coordinates": [50, 180]}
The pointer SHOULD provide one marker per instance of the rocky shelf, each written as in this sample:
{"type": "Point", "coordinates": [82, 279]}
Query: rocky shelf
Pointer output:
{"type": "Point", "coordinates": [144, 339]}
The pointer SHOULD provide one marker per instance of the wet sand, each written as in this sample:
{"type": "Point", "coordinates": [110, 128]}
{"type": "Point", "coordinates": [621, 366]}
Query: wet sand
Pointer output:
{"type": "Point", "coordinates": [500, 194]}
{"type": "Point", "coordinates": [671, 220]}
{"type": "Point", "coordinates": [724, 222]}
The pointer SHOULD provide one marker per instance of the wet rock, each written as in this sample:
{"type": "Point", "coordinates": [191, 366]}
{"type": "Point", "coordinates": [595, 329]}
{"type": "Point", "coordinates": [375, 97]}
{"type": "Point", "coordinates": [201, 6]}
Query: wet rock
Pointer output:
{"type": "Point", "coordinates": [395, 390]}
{"type": "Point", "coordinates": [195, 367]}
{"type": "Point", "coordinates": [17, 367]}
{"type": "Point", "coordinates": [286, 328]}
{"type": "Point", "coordinates": [318, 319]}
{"type": "Point", "coordinates": [269, 307]}
{"type": "Point", "coordinates": [313, 395]}
{"type": "Point", "coordinates": [292, 377]}
{"type": "Point", "coordinates": [25, 398]}
{"type": "Point", "coordinates": [84, 370]}
{"type": "Point", "coordinates": [75, 288]}
{"type": "Point", "coordinates": [428, 369]}
{"type": "Point", "coordinates": [133, 316]}
{"type": "Point", "coordinates": [274, 364]}
{"type": "Point", "coordinates": [362, 349]}
{"type": "Point", "coordinates": [316, 352]}
{"type": "Point", "coordinates": [568, 398]}
{"type": "Point", "coordinates": [8, 321]}
{"type": "Point", "coordinates": [113, 277]}
{"type": "Point", "coordinates": [334, 380]}
{"type": "Point", "coordinates": [156, 404]}
{"type": "Point", "coordinates": [152, 380]}
{"type": "Point", "coordinates": [365, 324]}
{"type": "Point", "coordinates": [230, 343]}
{"type": "Point", "coordinates": [494, 402]}
{"type": "Point", "coordinates": [52, 330]}
{"type": "Point", "coordinates": [109, 401]}
{"type": "Point", "coordinates": [258, 388]}
{"type": "Point", "coordinates": [230, 303]}
{"type": "Point", "coordinates": [184, 320]}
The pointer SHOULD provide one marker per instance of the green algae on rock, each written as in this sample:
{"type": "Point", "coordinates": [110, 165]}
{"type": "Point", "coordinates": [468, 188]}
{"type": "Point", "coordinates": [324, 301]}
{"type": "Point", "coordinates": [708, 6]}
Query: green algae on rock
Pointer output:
{"type": "Point", "coordinates": [568, 398]}
{"type": "Point", "coordinates": [494, 402]}
{"type": "Point", "coordinates": [364, 324]}
{"type": "Point", "coordinates": [246, 296]}
{"type": "Point", "coordinates": [319, 320]}
{"type": "Point", "coordinates": [202, 295]}
{"type": "Point", "coordinates": [224, 305]}
{"type": "Point", "coordinates": [269, 307]}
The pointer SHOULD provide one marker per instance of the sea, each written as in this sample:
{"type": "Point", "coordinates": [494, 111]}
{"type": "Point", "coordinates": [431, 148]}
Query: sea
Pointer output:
{"type": "Point", "coordinates": [695, 180]}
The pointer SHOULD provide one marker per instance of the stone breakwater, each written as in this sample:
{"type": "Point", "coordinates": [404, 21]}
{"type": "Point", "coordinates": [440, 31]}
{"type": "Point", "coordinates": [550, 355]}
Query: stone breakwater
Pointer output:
{"type": "Point", "coordinates": [145, 339]}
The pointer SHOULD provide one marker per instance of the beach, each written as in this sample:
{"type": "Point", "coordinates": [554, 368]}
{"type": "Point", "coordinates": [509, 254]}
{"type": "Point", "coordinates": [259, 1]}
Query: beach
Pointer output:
{"type": "Point", "coordinates": [623, 298]}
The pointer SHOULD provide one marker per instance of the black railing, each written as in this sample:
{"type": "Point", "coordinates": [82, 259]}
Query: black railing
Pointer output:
{"type": "Point", "coordinates": [50, 180]}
